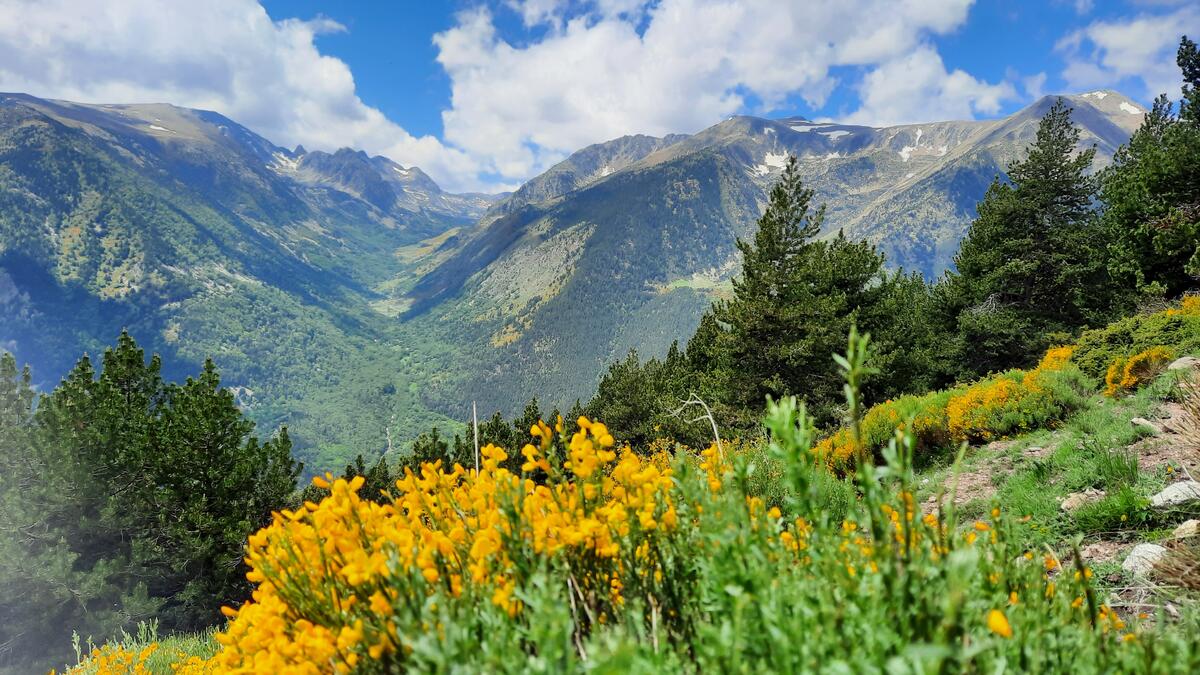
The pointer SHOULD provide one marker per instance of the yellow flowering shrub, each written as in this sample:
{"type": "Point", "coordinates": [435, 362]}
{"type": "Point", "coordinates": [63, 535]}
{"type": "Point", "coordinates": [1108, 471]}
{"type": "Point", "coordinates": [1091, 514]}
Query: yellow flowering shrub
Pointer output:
{"type": "Point", "coordinates": [330, 575]}
{"type": "Point", "coordinates": [1012, 402]}
{"type": "Point", "coordinates": [1127, 374]}
{"type": "Point", "coordinates": [1189, 306]}
{"type": "Point", "coordinates": [116, 660]}
{"type": "Point", "coordinates": [994, 407]}
{"type": "Point", "coordinates": [1176, 329]}
{"type": "Point", "coordinates": [607, 562]}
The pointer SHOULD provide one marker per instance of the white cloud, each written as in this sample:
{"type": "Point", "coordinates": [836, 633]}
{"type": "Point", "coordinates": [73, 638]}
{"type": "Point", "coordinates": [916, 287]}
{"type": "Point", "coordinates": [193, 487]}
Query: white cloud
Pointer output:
{"type": "Point", "coordinates": [916, 87]}
{"type": "Point", "coordinates": [1034, 85]}
{"type": "Point", "coordinates": [223, 55]}
{"type": "Point", "coordinates": [628, 66]}
{"type": "Point", "coordinates": [1140, 48]}
{"type": "Point", "coordinates": [586, 71]}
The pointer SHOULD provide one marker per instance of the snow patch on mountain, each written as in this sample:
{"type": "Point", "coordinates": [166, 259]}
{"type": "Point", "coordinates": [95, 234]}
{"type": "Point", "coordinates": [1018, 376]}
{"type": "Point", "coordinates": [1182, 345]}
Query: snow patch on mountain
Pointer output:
{"type": "Point", "coordinates": [1098, 95]}
{"type": "Point", "coordinates": [907, 151]}
{"type": "Point", "coordinates": [283, 163]}
{"type": "Point", "coordinates": [776, 160]}
{"type": "Point", "coordinates": [1131, 109]}
{"type": "Point", "coordinates": [803, 127]}
{"type": "Point", "coordinates": [155, 127]}
{"type": "Point", "coordinates": [834, 135]}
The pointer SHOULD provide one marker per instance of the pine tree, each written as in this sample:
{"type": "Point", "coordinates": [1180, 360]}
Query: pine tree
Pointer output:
{"type": "Point", "coordinates": [1030, 265]}
{"type": "Point", "coordinates": [793, 304]}
{"type": "Point", "coordinates": [128, 498]}
{"type": "Point", "coordinates": [530, 416]}
{"type": "Point", "coordinates": [1151, 194]}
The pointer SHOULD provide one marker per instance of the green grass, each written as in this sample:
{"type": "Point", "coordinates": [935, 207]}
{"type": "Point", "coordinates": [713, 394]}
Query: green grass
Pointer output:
{"type": "Point", "coordinates": [1090, 450]}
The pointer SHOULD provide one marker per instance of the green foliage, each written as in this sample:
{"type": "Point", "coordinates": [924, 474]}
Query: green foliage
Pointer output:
{"type": "Point", "coordinates": [642, 399]}
{"type": "Point", "coordinates": [796, 298]}
{"type": "Point", "coordinates": [125, 495]}
{"type": "Point", "coordinates": [1030, 265]}
{"type": "Point", "coordinates": [1151, 194]}
{"type": "Point", "coordinates": [1176, 330]}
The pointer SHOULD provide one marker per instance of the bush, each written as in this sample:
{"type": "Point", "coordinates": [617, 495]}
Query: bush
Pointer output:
{"type": "Point", "coordinates": [1126, 374]}
{"type": "Point", "coordinates": [1002, 405]}
{"type": "Point", "coordinates": [1176, 328]}
{"type": "Point", "coordinates": [614, 563]}
{"type": "Point", "coordinates": [1016, 402]}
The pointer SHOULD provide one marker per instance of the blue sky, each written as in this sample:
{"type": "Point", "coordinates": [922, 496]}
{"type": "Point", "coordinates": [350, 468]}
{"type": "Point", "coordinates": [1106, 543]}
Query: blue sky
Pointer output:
{"type": "Point", "coordinates": [484, 94]}
{"type": "Point", "coordinates": [389, 47]}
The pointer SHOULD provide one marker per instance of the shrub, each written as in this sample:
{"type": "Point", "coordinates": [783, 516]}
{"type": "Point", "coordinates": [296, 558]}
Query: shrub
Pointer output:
{"type": "Point", "coordinates": [1177, 329]}
{"type": "Point", "coordinates": [1016, 402]}
{"type": "Point", "coordinates": [456, 574]}
{"type": "Point", "coordinates": [1012, 402]}
{"type": "Point", "coordinates": [929, 426]}
{"type": "Point", "coordinates": [1126, 374]}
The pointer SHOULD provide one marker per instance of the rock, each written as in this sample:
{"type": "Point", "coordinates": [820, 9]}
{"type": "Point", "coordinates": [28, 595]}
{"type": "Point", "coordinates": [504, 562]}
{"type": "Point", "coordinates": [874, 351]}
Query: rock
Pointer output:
{"type": "Point", "coordinates": [1146, 424]}
{"type": "Point", "coordinates": [1078, 499]}
{"type": "Point", "coordinates": [1176, 494]}
{"type": "Point", "coordinates": [1188, 528]}
{"type": "Point", "coordinates": [1142, 559]}
{"type": "Point", "coordinates": [1185, 363]}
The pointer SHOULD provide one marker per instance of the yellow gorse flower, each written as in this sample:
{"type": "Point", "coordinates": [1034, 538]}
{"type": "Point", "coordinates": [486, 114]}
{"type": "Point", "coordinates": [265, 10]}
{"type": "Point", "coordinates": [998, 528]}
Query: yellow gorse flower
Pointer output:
{"type": "Point", "coordinates": [449, 531]}
{"type": "Point", "coordinates": [998, 624]}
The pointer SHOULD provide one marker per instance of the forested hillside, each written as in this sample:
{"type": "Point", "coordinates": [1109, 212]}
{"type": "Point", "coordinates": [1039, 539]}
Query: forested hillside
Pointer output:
{"type": "Point", "coordinates": [204, 240]}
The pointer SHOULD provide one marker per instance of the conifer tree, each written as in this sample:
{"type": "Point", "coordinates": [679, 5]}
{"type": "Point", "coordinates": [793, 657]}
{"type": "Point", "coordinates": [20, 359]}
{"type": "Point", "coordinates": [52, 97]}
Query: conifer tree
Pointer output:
{"type": "Point", "coordinates": [1151, 194]}
{"type": "Point", "coordinates": [127, 497]}
{"type": "Point", "coordinates": [1032, 264]}
{"type": "Point", "coordinates": [794, 303]}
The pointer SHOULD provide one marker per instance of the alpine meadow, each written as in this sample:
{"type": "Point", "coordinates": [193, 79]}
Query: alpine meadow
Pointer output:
{"type": "Point", "coordinates": [638, 336]}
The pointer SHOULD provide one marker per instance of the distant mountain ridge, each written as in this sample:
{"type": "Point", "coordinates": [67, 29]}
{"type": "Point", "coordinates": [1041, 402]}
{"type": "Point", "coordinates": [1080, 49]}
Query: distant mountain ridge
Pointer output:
{"type": "Point", "coordinates": [205, 239]}
{"type": "Point", "coordinates": [650, 239]}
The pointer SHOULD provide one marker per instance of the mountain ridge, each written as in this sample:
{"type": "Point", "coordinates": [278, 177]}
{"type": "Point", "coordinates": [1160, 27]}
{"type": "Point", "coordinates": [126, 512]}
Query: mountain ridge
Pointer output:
{"type": "Point", "coordinates": [910, 189]}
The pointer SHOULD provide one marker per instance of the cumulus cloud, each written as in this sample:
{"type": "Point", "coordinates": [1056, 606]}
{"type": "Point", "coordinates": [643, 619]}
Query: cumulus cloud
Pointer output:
{"type": "Point", "coordinates": [629, 66]}
{"type": "Point", "coordinates": [1138, 49]}
{"type": "Point", "coordinates": [580, 72]}
{"type": "Point", "coordinates": [917, 87]}
{"type": "Point", "coordinates": [223, 55]}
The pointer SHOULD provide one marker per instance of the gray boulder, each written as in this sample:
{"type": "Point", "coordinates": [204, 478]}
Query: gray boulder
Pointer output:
{"type": "Point", "coordinates": [1142, 559]}
{"type": "Point", "coordinates": [1176, 494]}
{"type": "Point", "coordinates": [1185, 363]}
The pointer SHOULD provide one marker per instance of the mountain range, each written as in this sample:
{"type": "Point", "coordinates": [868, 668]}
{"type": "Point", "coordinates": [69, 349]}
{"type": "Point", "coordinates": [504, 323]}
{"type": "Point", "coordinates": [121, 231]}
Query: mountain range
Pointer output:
{"type": "Point", "coordinates": [351, 298]}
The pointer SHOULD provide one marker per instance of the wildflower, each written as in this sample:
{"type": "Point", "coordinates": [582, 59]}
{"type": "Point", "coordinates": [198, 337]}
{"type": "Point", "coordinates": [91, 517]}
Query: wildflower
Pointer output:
{"type": "Point", "coordinates": [998, 623]}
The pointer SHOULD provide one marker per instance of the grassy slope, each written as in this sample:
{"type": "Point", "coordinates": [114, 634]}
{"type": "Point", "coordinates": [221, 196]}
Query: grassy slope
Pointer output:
{"type": "Point", "coordinates": [1030, 475]}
